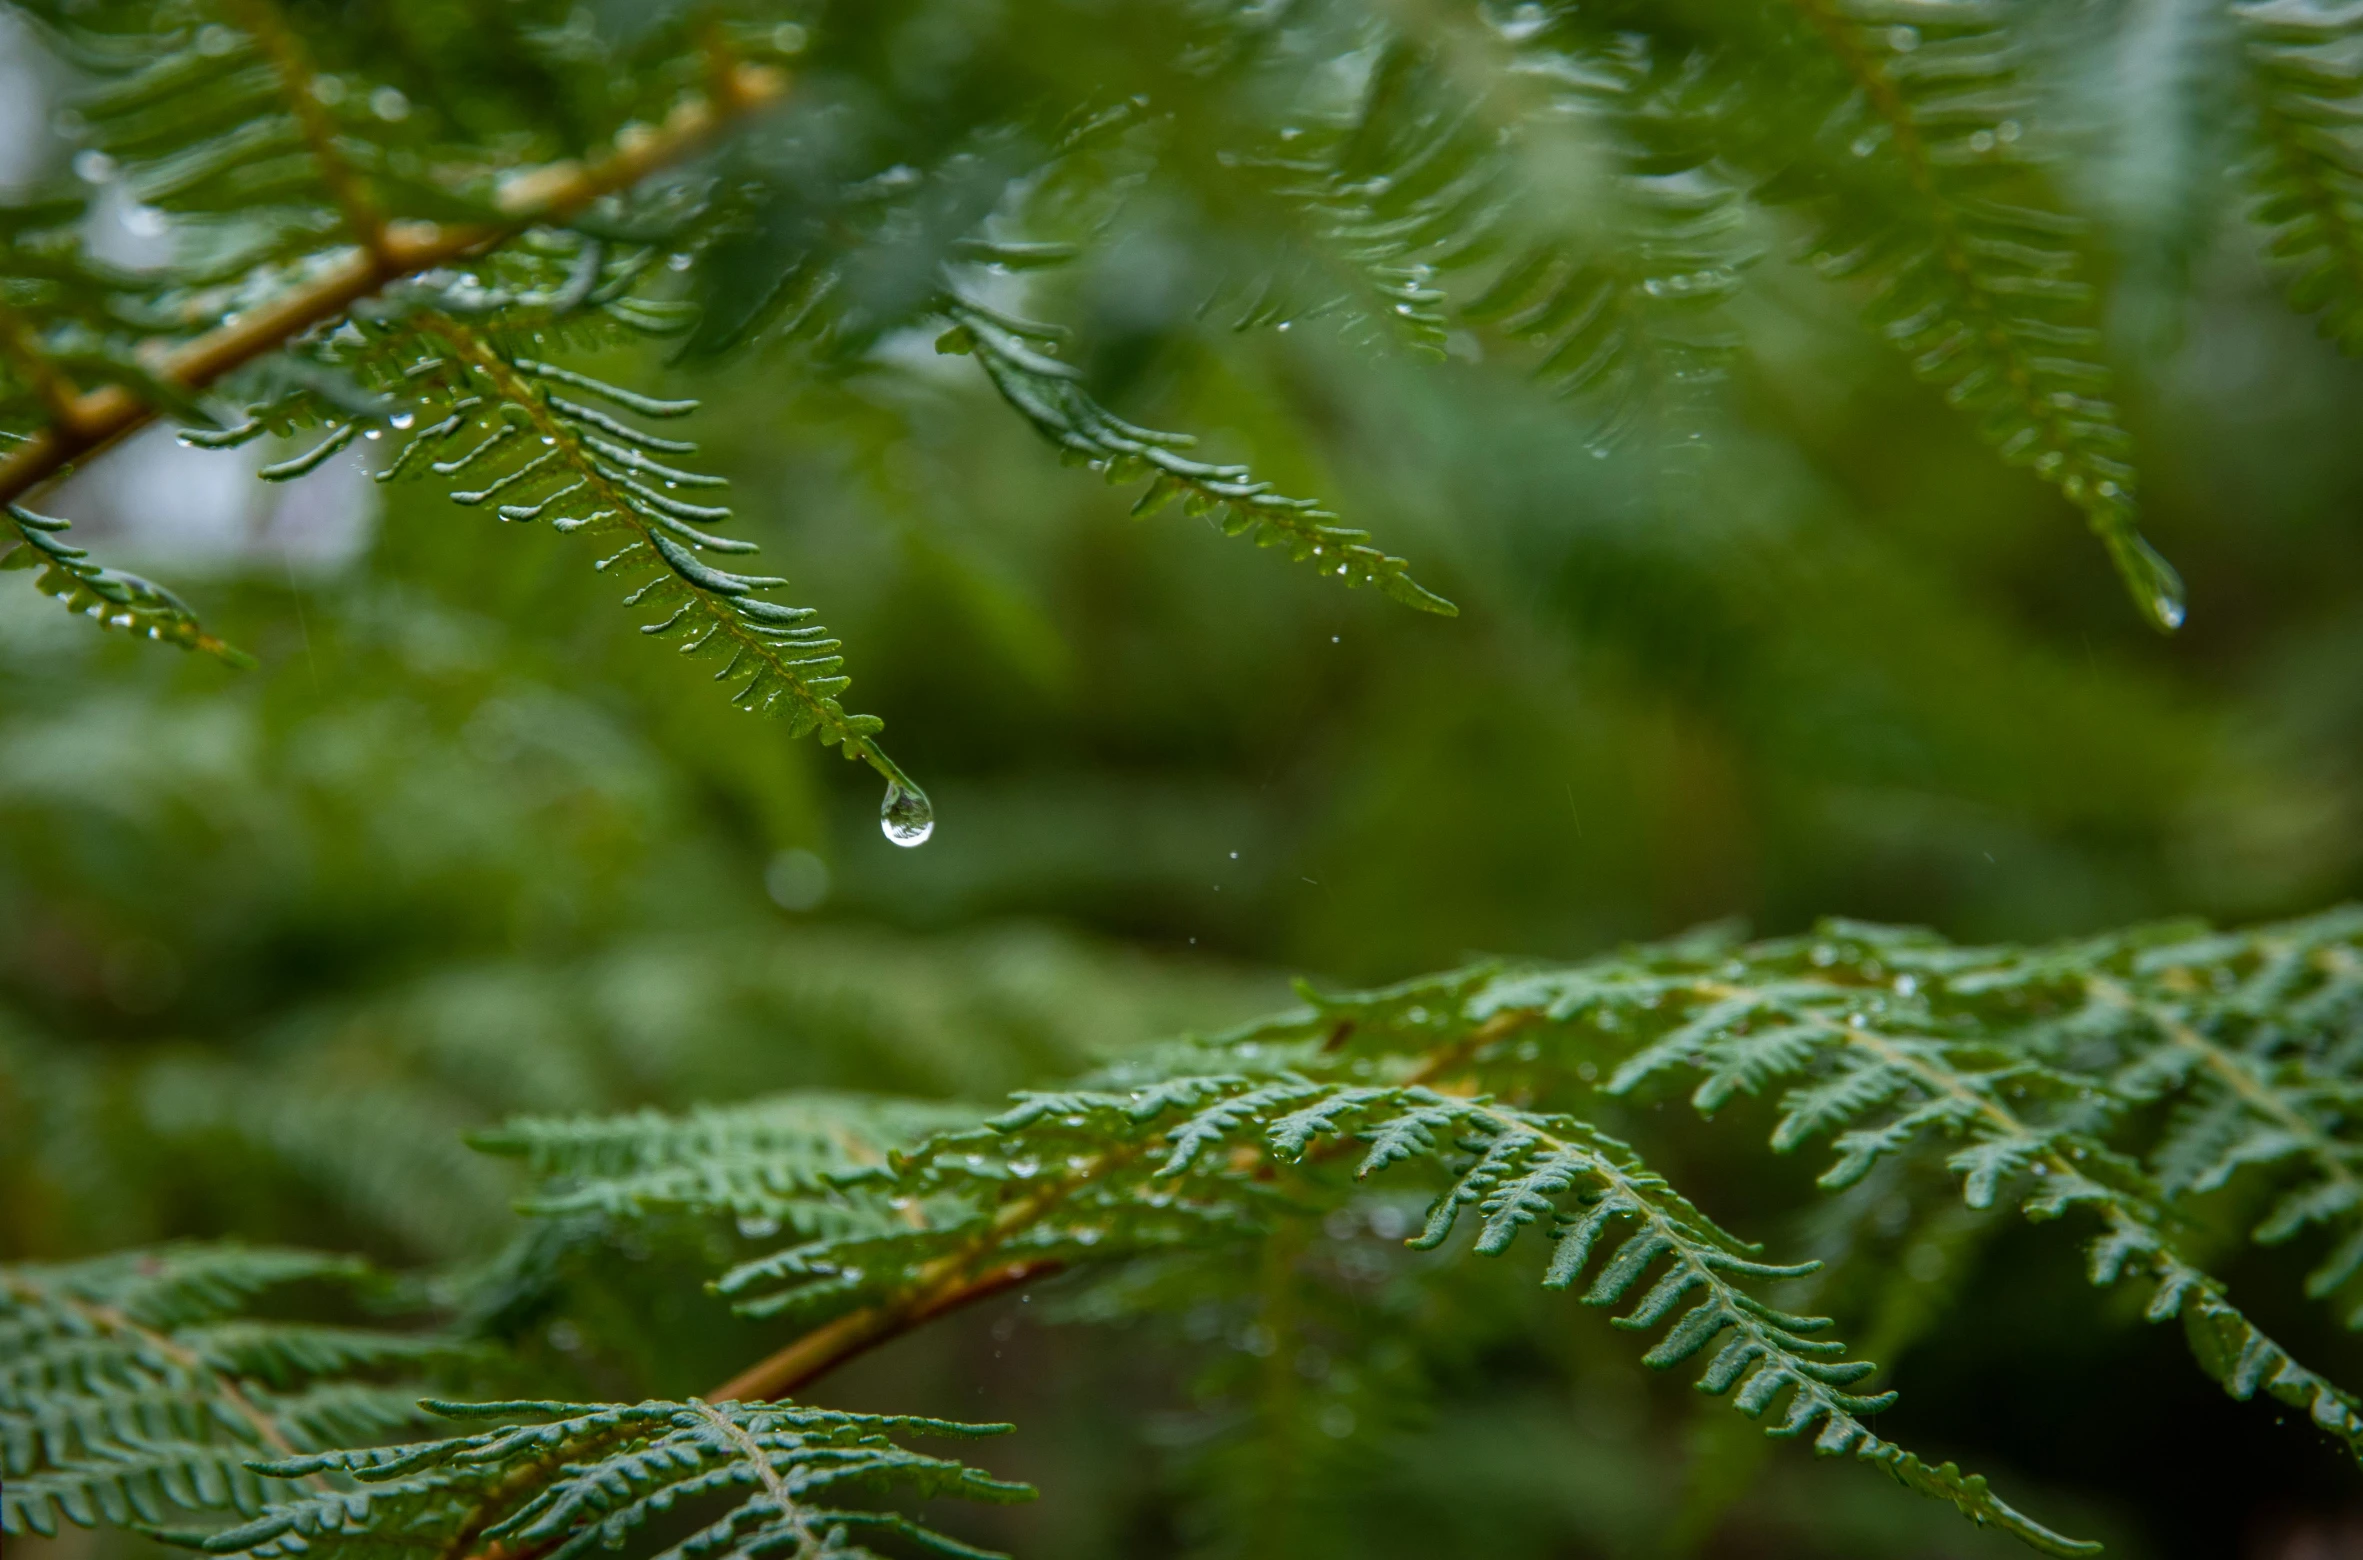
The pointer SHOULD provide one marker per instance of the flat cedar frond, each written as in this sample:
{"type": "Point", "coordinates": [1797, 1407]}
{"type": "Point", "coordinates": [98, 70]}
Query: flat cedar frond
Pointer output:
{"type": "Point", "coordinates": [564, 1479]}
{"type": "Point", "coordinates": [136, 1384]}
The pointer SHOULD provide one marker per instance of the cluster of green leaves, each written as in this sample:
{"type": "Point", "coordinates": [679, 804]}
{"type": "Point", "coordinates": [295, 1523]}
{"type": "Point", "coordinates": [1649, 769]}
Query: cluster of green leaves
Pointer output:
{"type": "Point", "coordinates": [2034, 1075]}
{"type": "Point", "coordinates": [2038, 1074]}
{"type": "Point", "coordinates": [1080, 1176]}
{"type": "Point", "coordinates": [408, 232]}
{"type": "Point", "coordinates": [426, 331]}
{"type": "Point", "coordinates": [146, 1382]}
{"type": "Point", "coordinates": [112, 597]}
{"type": "Point", "coordinates": [2126, 1079]}
{"type": "Point", "coordinates": [390, 221]}
{"type": "Point", "coordinates": [564, 1478]}
{"type": "Point", "coordinates": [2304, 170]}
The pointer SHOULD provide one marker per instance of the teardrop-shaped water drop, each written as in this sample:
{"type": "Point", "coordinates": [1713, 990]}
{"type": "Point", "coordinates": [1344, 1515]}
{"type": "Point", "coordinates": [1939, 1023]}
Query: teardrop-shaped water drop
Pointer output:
{"type": "Point", "coordinates": [906, 817]}
{"type": "Point", "coordinates": [2157, 589]}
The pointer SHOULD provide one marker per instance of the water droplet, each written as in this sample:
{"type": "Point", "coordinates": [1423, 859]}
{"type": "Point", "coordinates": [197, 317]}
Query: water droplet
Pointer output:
{"type": "Point", "coordinates": [1234, 855]}
{"type": "Point", "coordinates": [757, 1226]}
{"type": "Point", "coordinates": [2157, 589]}
{"type": "Point", "coordinates": [906, 817]}
{"type": "Point", "coordinates": [679, 262]}
{"type": "Point", "coordinates": [401, 420]}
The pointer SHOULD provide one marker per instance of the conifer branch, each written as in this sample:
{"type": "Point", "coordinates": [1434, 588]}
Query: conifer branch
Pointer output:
{"type": "Point", "coordinates": [1201, 1182]}
{"type": "Point", "coordinates": [112, 597]}
{"type": "Point", "coordinates": [1917, 1040]}
{"type": "Point", "coordinates": [135, 1383]}
{"type": "Point", "coordinates": [778, 661]}
{"type": "Point", "coordinates": [112, 1321]}
{"type": "Point", "coordinates": [1970, 295]}
{"type": "Point", "coordinates": [974, 1272]}
{"type": "Point", "coordinates": [547, 195]}
{"type": "Point", "coordinates": [560, 1478]}
{"type": "Point", "coordinates": [2305, 93]}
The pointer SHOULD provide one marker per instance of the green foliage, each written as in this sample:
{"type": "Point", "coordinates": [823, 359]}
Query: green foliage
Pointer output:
{"type": "Point", "coordinates": [1587, 190]}
{"type": "Point", "coordinates": [143, 1382]}
{"type": "Point", "coordinates": [572, 1476]}
{"type": "Point", "coordinates": [1074, 1177]}
{"type": "Point", "coordinates": [1430, 181]}
{"type": "Point", "coordinates": [110, 597]}
{"type": "Point", "coordinates": [1919, 186]}
{"type": "Point", "coordinates": [2304, 174]}
{"type": "Point", "coordinates": [2030, 1073]}
{"type": "Point", "coordinates": [1047, 394]}
{"type": "Point", "coordinates": [781, 1161]}
{"type": "Point", "coordinates": [2036, 1063]}
{"type": "Point", "coordinates": [271, 960]}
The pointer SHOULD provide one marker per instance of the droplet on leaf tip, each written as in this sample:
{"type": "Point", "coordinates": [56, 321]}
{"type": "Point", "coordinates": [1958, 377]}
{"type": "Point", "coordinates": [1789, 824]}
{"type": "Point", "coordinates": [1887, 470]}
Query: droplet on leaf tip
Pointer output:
{"type": "Point", "coordinates": [905, 816]}
{"type": "Point", "coordinates": [2157, 589]}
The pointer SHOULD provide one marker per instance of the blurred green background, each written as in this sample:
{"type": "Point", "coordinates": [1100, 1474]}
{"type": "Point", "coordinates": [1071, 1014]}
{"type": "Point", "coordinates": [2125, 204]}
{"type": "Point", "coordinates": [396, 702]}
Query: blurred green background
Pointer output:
{"type": "Point", "coordinates": [467, 845]}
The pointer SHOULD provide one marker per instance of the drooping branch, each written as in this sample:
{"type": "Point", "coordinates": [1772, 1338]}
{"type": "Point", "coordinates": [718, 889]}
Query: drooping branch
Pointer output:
{"type": "Point", "coordinates": [96, 418]}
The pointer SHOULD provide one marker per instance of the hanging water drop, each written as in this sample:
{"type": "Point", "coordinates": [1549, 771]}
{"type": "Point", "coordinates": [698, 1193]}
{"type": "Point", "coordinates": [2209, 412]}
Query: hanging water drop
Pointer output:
{"type": "Point", "coordinates": [2157, 589]}
{"type": "Point", "coordinates": [906, 817]}
{"type": "Point", "coordinates": [401, 420]}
